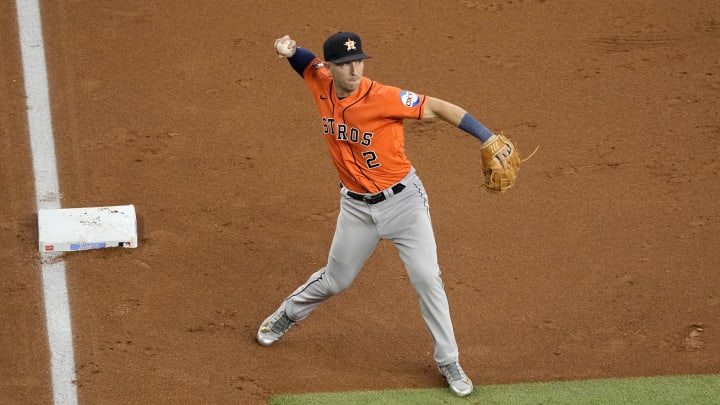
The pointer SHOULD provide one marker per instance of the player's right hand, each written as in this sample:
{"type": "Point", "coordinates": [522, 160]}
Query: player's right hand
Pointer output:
{"type": "Point", "coordinates": [285, 47]}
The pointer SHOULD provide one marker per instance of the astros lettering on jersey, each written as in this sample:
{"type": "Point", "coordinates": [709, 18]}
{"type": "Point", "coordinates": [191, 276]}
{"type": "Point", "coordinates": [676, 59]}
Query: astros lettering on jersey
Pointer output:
{"type": "Point", "coordinates": [364, 131]}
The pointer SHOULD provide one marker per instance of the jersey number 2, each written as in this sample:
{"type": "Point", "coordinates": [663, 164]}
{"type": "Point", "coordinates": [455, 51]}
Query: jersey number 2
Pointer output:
{"type": "Point", "coordinates": [370, 158]}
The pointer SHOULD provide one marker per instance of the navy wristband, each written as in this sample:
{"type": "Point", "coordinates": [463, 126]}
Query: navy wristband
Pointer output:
{"type": "Point", "coordinates": [474, 128]}
{"type": "Point", "coordinates": [300, 60]}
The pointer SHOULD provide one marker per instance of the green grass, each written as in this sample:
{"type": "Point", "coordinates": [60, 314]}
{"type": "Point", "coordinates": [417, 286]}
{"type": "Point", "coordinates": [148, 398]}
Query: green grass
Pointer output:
{"type": "Point", "coordinates": [675, 390]}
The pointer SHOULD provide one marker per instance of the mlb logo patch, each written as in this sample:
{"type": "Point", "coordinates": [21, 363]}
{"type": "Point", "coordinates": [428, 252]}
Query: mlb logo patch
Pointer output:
{"type": "Point", "coordinates": [409, 99]}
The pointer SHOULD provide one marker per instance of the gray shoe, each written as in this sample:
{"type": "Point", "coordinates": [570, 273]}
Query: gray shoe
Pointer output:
{"type": "Point", "coordinates": [274, 327]}
{"type": "Point", "coordinates": [459, 383]}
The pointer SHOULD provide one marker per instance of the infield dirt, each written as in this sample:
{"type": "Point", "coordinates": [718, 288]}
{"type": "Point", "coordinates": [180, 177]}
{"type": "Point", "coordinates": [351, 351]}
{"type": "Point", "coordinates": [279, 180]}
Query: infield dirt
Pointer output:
{"type": "Point", "coordinates": [601, 262]}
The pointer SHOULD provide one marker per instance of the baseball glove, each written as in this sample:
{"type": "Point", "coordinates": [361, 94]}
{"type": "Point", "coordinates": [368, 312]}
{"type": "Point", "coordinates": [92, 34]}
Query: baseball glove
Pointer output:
{"type": "Point", "coordinates": [497, 177]}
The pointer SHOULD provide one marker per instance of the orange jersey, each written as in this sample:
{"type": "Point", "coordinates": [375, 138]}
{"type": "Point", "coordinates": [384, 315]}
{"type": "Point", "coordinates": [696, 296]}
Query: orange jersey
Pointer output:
{"type": "Point", "coordinates": [364, 132]}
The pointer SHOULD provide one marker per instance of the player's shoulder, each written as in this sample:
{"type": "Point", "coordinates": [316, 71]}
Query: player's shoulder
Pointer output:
{"type": "Point", "coordinates": [405, 97]}
{"type": "Point", "coordinates": [316, 72]}
{"type": "Point", "coordinates": [386, 88]}
{"type": "Point", "coordinates": [380, 88]}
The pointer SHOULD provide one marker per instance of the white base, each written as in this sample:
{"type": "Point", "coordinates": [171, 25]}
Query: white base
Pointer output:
{"type": "Point", "coordinates": [72, 229]}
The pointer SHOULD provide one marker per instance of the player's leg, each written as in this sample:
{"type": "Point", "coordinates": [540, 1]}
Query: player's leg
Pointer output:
{"type": "Point", "coordinates": [415, 242]}
{"type": "Point", "coordinates": [409, 226]}
{"type": "Point", "coordinates": [405, 219]}
{"type": "Point", "coordinates": [355, 239]}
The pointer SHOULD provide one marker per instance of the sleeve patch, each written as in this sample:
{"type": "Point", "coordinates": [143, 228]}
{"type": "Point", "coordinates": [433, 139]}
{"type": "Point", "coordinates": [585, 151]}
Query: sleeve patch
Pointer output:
{"type": "Point", "coordinates": [409, 99]}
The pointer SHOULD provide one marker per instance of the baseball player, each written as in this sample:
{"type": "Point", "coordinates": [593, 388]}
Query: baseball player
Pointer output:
{"type": "Point", "coordinates": [381, 195]}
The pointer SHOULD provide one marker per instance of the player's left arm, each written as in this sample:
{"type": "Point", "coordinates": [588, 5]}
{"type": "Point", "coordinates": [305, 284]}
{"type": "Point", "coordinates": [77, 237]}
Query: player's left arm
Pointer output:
{"type": "Point", "coordinates": [437, 108]}
{"type": "Point", "coordinates": [457, 116]}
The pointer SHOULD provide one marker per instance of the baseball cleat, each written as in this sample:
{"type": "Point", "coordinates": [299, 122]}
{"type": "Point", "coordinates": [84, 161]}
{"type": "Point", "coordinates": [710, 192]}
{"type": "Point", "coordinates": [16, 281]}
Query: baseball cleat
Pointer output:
{"type": "Point", "coordinates": [274, 327]}
{"type": "Point", "coordinates": [459, 383]}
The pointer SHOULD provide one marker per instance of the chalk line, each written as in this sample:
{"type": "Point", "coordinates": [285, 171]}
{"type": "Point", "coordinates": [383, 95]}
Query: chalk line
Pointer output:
{"type": "Point", "coordinates": [47, 195]}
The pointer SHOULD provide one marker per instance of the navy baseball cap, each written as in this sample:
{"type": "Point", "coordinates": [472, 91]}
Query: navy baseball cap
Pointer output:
{"type": "Point", "coordinates": [343, 47]}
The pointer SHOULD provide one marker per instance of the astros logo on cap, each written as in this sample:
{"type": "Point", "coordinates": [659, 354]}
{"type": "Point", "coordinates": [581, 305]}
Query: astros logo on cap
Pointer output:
{"type": "Point", "coordinates": [343, 47]}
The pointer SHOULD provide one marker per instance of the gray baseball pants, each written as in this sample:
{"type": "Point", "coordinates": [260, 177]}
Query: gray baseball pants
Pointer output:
{"type": "Point", "coordinates": [404, 219]}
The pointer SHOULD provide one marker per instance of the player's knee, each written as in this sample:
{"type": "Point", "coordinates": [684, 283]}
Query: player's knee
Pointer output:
{"type": "Point", "coordinates": [425, 278]}
{"type": "Point", "coordinates": [336, 286]}
{"type": "Point", "coordinates": [339, 278]}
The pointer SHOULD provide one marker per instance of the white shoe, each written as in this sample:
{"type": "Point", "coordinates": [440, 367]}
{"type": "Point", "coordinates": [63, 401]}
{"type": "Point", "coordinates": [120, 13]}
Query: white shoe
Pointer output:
{"type": "Point", "coordinates": [459, 383]}
{"type": "Point", "coordinates": [274, 327]}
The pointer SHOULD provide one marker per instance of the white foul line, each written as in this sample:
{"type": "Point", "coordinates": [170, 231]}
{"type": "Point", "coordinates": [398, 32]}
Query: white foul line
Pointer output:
{"type": "Point", "coordinates": [47, 195]}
